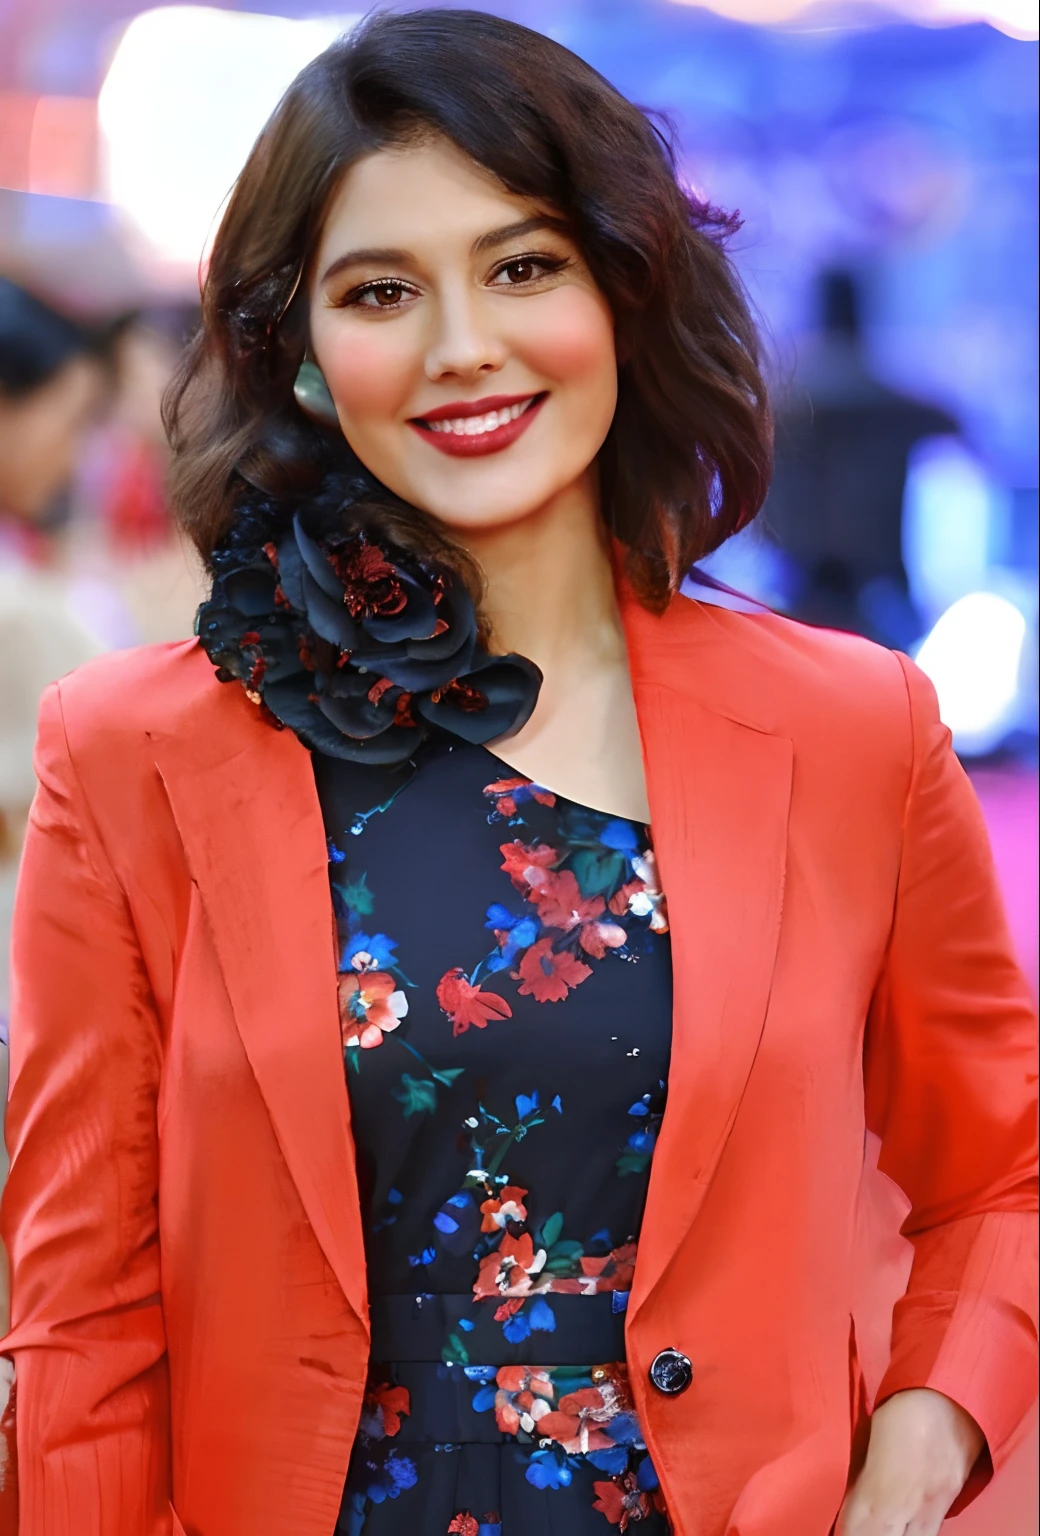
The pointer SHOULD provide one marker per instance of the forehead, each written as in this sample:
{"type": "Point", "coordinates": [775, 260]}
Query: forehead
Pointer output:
{"type": "Point", "coordinates": [410, 195]}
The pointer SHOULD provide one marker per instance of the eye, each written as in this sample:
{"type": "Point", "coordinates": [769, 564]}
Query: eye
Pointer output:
{"type": "Point", "coordinates": [385, 293]}
{"type": "Point", "coordinates": [527, 269]}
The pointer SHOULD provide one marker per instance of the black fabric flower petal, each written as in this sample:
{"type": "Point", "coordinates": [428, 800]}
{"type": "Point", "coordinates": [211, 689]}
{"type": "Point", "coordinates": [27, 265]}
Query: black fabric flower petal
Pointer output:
{"type": "Point", "coordinates": [417, 619]}
{"type": "Point", "coordinates": [494, 698]}
{"type": "Point", "coordinates": [290, 574]}
{"type": "Point", "coordinates": [314, 559]}
{"type": "Point", "coordinates": [251, 589]}
{"type": "Point", "coordinates": [358, 710]}
{"type": "Point", "coordinates": [362, 651]}
{"type": "Point", "coordinates": [327, 616]}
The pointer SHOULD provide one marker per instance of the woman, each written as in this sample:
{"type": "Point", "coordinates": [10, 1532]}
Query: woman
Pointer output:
{"type": "Point", "coordinates": [465, 338]}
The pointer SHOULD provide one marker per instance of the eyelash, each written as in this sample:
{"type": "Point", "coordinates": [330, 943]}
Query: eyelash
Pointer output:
{"type": "Point", "coordinates": [550, 265]}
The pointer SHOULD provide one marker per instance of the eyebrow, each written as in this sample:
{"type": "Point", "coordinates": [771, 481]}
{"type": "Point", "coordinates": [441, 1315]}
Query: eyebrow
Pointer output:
{"type": "Point", "coordinates": [391, 256]}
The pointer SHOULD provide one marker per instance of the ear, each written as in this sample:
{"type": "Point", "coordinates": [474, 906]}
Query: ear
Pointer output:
{"type": "Point", "coordinates": [311, 394]}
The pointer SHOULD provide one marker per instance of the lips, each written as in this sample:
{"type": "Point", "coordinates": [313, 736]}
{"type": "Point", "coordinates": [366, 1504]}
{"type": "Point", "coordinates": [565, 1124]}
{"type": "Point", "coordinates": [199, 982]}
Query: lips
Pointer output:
{"type": "Point", "coordinates": [470, 428]}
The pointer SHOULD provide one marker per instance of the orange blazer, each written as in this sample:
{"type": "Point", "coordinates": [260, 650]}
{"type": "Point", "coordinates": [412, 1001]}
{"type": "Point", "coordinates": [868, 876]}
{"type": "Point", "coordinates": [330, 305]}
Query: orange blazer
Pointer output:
{"type": "Point", "coordinates": [189, 1301]}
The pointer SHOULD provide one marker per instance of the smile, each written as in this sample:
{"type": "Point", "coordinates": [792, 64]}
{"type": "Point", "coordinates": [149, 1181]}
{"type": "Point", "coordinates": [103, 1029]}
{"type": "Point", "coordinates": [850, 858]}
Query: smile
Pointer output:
{"type": "Point", "coordinates": [466, 429]}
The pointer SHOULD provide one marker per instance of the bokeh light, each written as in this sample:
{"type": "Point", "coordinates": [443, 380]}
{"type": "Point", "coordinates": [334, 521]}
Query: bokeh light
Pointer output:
{"type": "Point", "coordinates": [186, 94]}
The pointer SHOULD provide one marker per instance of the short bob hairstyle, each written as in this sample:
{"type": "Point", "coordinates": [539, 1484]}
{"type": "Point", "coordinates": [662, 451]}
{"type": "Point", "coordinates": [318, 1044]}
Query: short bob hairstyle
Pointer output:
{"type": "Point", "coordinates": [686, 462]}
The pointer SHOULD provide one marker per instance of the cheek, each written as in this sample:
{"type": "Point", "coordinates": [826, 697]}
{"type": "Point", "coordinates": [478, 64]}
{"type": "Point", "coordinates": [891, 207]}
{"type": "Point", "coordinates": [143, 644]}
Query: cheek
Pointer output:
{"type": "Point", "coordinates": [370, 375]}
{"type": "Point", "coordinates": [570, 341]}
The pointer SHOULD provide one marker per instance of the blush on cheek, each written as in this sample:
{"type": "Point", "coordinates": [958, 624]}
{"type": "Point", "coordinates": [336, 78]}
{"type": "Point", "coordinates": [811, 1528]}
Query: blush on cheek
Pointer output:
{"type": "Point", "coordinates": [568, 340]}
{"type": "Point", "coordinates": [366, 379]}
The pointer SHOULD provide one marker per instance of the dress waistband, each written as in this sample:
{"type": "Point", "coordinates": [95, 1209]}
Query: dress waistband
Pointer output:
{"type": "Point", "coordinates": [589, 1330]}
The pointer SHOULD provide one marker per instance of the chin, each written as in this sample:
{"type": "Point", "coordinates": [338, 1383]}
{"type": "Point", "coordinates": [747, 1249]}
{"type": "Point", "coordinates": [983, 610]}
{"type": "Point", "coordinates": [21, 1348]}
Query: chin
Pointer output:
{"type": "Point", "coordinates": [479, 496]}
{"type": "Point", "coordinates": [482, 519]}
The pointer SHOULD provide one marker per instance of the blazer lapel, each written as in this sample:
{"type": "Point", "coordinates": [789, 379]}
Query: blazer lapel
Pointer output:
{"type": "Point", "coordinates": [719, 793]}
{"type": "Point", "coordinates": [251, 827]}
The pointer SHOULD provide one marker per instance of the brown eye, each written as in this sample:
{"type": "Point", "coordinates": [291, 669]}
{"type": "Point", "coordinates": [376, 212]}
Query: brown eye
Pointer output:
{"type": "Point", "coordinates": [520, 271]}
{"type": "Point", "coordinates": [386, 294]}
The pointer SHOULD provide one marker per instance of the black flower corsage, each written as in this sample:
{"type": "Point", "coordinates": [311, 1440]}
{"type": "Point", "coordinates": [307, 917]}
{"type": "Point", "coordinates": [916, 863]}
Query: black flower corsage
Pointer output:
{"type": "Point", "coordinates": [363, 651]}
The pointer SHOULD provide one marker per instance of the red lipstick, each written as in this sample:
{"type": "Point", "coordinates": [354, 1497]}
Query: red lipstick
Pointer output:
{"type": "Point", "coordinates": [470, 428]}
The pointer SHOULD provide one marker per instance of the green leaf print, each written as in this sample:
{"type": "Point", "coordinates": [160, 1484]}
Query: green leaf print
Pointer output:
{"type": "Point", "coordinates": [447, 1075]}
{"type": "Point", "coordinates": [598, 871]}
{"type": "Point", "coordinates": [455, 1352]}
{"type": "Point", "coordinates": [551, 1230]}
{"type": "Point", "coordinates": [564, 1257]}
{"type": "Point", "coordinates": [416, 1094]}
{"type": "Point", "coordinates": [358, 897]}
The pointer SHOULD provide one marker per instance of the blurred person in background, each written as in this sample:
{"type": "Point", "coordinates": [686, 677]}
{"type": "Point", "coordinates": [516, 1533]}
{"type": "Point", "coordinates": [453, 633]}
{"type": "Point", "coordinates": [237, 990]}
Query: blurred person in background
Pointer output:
{"type": "Point", "coordinates": [573, 1245]}
{"type": "Point", "coordinates": [843, 444]}
{"type": "Point", "coordinates": [55, 379]}
{"type": "Point", "coordinates": [134, 580]}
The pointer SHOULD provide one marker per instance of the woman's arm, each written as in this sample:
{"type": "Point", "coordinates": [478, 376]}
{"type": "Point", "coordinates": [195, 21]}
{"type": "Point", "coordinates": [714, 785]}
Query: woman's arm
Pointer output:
{"type": "Point", "coordinates": [951, 1089]}
{"type": "Point", "coordinates": [80, 1208]}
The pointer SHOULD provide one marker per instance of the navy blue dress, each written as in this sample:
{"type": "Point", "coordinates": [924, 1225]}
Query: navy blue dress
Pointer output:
{"type": "Point", "coordinates": [505, 1002]}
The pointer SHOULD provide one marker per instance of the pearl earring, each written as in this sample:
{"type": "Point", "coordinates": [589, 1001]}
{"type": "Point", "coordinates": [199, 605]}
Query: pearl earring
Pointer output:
{"type": "Point", "coordinates": [311, 394]}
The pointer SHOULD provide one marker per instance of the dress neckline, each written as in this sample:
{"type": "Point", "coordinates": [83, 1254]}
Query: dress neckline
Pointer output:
{"type": "Point", "coordinates": [581, 805]}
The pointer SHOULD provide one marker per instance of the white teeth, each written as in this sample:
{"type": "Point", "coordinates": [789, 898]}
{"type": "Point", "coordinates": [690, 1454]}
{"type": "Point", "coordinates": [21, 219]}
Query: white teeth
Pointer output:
{"type": "Point", "coordinates": [475, 426]}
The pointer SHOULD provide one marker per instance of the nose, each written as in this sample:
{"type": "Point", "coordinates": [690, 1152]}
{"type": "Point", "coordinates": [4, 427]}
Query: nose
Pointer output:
{"type": "Point", "coordinates": [464, 344]}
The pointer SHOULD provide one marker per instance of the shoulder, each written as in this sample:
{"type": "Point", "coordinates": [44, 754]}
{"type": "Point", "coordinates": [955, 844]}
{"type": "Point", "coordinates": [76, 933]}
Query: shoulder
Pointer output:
{"type": "Point", "coordinates": [131, 690]}
{"type": "Point", "coordinates": [855, 710]}
{"type": "Point", "coordinates": [110, 709]}
{"type": "Point", "coordinates": [776, 674]}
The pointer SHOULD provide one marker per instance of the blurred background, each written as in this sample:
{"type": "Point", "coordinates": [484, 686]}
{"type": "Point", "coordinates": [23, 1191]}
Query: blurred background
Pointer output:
{"type": "Point", "coordinates": [884, 159]}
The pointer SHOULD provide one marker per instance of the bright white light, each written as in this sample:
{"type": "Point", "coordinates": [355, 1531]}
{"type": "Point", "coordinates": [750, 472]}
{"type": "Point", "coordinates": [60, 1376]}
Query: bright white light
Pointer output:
{"type": "Point", "coordinates": [954, 523]}
{"type": "Point", "coordinates": [973, 655]}
{"type": "Point", "coordinates": [187, 92]}
{"type": "Point", "coordinates": [1018, 18]}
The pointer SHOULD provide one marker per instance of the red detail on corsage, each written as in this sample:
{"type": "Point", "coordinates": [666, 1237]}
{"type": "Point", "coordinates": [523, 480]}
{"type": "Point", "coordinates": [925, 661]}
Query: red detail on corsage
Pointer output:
{"type": "Point", "coordinates": [375, 693]}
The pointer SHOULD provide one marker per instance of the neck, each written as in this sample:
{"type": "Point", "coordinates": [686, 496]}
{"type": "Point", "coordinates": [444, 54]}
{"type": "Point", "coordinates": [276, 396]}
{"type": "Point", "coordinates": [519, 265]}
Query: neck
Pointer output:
{"type": "Point", "coordinates": [550, 584]}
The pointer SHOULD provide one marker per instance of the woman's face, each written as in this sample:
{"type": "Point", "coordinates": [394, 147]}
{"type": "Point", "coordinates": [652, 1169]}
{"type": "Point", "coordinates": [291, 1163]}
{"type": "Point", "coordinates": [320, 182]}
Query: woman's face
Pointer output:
{"type": "Point", "coordinates": [466, 346]}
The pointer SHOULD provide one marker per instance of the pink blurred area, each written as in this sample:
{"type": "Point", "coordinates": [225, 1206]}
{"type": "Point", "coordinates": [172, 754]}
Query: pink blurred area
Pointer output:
{"type": "Point", "coordinates": [1010, 1506]}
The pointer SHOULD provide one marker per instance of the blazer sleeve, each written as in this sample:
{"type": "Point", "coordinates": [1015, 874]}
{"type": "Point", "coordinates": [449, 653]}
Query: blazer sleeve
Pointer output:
{"type": "Point", "coordinates": [80, 1207]}
{"type": "Point", "coordinates": [951, 1078]}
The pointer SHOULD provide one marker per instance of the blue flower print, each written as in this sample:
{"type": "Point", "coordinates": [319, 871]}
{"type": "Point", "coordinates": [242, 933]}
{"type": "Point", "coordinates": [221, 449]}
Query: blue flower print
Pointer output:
{"type": "Point", "coordinates": [546, 1469]}
{"type": "Point", "coordinates": [364, 952]}
{"type": "Point", "coordinates": [619, 835]}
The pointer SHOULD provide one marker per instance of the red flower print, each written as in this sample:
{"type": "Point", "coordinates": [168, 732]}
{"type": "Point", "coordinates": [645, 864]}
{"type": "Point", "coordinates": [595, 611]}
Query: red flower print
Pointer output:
{"type": "Point", "coordinates": [619, 902]}
{"type": "Point", "coordinates": [522, 1399]}
{"type": "Point", "coordinates": [614, 1271]}
{"type": "Point", "coordinates": [596, 938]}
{"type": "Point", "coordinates": [464, 1524]}
{"type": "Point", "coordinates": [508, 1271]}
{"type": "Point", "coordinates": [369, 1007]}
{"type": "Point", "coordinates": [391, 1403]}
{"type": "Point", "coordinates": [466, 1004]}
{"type": "Point", "coordinates": [508, 1207]}
{"type": "Point", "coordinates": [502, 792]}
{"type": "Point", "coordinates": [522, 861]}
{"type": "Point", "coordinates": [622, 1501]}
{"type": "Point", "coordinates": [548, 977]}
{"type": "Point", "coordinates": [575, 1423]}
{"type": "Point", "coordinates": [560, 903]}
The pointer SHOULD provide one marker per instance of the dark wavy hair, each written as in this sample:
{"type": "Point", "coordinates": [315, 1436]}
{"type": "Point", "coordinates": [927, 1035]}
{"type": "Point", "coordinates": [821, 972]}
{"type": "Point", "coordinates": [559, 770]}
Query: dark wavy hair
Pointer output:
{"type": "Point", "coordinates": [687, 460]}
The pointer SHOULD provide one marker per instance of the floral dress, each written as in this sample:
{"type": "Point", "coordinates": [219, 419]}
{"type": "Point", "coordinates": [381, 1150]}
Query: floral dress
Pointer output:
{"type": "Point", "coordinates": [505, 1003]}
